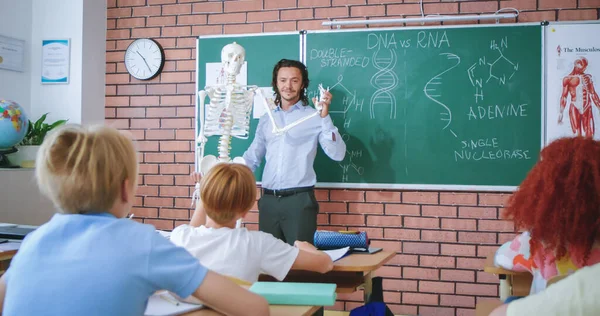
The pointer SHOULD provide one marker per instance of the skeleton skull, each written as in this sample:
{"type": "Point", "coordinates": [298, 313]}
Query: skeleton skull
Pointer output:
{"type": "Point", "coordinates": [232, 58]}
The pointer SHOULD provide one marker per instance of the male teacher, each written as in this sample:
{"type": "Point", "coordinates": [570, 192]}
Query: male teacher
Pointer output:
{"type": "Point", "coordinates": [288, 208]}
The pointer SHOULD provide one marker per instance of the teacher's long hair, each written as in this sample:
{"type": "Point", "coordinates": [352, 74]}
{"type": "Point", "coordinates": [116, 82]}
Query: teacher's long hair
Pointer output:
{"type": "Point", "coordinates": [559, 201]}
{"type": "Point", "coordinates": [305, 81]}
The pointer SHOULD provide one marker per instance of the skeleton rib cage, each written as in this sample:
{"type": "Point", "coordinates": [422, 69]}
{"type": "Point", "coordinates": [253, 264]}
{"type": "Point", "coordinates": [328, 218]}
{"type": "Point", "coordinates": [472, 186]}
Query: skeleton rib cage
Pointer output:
{"type": "Point", "coordinates": [233, 121]}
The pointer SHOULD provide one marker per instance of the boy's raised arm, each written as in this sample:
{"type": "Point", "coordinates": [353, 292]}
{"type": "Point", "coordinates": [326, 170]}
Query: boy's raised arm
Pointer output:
{"type": "Point", "coordinates": [199, 217]}
{"type": "Point", "coordinates": [217, 292]}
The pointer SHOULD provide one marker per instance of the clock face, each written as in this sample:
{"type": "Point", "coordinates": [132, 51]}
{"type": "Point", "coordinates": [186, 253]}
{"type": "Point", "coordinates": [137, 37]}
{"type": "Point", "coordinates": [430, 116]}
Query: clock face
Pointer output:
{"type": "Point", "coordinates": [144, 59]}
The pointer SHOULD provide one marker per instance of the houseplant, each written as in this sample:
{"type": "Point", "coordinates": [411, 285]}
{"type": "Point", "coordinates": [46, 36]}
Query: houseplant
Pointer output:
{"type": "Point", "coordinates": [36, 132]}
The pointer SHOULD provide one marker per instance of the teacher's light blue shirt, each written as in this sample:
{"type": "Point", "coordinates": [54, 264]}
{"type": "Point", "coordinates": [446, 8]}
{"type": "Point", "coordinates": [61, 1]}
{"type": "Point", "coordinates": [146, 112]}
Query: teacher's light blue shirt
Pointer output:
{"type": "Point", "coordinates": [96, 265]}
{"type": "Point", "coordinates": [290, 157]}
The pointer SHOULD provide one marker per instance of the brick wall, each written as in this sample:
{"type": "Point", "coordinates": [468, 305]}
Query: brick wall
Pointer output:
{"type": "Point", "coordinates": [441, 238]}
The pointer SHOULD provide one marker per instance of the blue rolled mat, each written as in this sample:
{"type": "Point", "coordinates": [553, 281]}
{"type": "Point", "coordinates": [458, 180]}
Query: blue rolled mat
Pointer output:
{"type": "Point", "coordinates": [326, 240]}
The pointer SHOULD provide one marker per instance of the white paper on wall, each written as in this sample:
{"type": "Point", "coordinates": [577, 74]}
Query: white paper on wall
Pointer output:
{"type": "Point", "coordinates": [215, 75]}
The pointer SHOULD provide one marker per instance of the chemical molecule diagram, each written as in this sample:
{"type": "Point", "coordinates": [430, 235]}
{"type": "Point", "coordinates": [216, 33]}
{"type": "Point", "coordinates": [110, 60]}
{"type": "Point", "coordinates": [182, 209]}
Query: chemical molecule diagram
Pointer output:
{"type": "Point", "coordinates": [499, 70]}
{"type": "Point", "coordinates": [350, 101]}
{"type": "Point", "coordinates": [350, 165]}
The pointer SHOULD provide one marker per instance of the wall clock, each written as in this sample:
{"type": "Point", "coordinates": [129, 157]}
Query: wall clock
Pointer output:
{"type": "Point", "coordinates": [144, 58]}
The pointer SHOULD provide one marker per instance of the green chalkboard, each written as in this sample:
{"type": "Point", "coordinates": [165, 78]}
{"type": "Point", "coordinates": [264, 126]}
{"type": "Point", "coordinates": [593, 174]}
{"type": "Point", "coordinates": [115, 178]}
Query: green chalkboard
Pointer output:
{"type": "Point", "coordinates": [263, 51]}
{"type": "Point", "coordinates": [438, 106]}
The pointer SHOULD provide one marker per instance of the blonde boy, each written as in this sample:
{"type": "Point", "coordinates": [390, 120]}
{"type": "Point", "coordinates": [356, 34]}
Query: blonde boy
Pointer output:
{"type": "Point", "coordinates": [89, 259]}
{"type": "Point", "coordinates": [228, 192]}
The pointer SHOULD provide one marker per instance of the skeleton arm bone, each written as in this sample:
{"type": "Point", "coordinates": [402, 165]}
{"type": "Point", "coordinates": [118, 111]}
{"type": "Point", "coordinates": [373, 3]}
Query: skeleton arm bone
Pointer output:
{"type": "Point", "coordinates": [318, 112]}
{"type": "Point", "coordinates": [201, 139]}
{"type": "Point", "coordinates": [276, 129]}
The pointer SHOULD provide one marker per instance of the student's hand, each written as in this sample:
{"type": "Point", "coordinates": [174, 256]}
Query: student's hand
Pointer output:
{"type": "Point", "coordinates": [303, 245]}
{"type": "Point", "coordinates": [311, 259]}
{"type": "Point", "coordinates": [196, 177]}
{"type": "Point", "coordinates": [325, 103]}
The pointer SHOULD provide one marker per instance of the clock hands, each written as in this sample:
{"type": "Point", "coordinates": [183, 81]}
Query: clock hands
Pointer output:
{"type": "Point", "coordinates": [145, 62]}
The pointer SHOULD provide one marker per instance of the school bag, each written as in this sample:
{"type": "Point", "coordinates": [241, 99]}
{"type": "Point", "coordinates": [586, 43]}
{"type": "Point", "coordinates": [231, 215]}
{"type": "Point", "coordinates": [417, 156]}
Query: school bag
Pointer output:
{"type": "Point", "coordinates": [375, 306]}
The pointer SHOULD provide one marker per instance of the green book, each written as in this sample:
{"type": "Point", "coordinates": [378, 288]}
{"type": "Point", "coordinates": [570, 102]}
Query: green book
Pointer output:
{"type": "Point", "coordinates": [292, 293]}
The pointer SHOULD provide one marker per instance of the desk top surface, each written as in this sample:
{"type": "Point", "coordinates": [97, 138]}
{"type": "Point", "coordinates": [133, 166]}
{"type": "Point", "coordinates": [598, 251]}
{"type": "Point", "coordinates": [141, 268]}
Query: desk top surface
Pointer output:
{"type": "Point", "coordinates": [363, 262]}
{"type": "Point", "coordinates": [9, 249]}
{"type": "Point", "coordinates": [276, 310]}
{"type": "Point", "coordinates": [490, 267]}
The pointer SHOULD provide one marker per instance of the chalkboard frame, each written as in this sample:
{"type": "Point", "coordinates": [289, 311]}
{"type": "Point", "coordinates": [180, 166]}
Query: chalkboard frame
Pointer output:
{"type": "Point", "coordinates": [443, 187]}
{"type": "Point", "coordinates": [302, 35]}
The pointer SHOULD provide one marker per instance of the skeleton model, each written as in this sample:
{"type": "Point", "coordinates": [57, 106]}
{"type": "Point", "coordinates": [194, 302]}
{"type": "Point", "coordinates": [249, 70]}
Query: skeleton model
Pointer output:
{"type": "Point", "coordinates": [228, 113]}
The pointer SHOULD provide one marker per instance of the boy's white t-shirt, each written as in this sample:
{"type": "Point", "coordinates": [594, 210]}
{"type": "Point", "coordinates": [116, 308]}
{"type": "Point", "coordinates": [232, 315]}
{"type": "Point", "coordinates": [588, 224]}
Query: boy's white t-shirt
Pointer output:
{"type": "Point", "coordinates": [237, 252]}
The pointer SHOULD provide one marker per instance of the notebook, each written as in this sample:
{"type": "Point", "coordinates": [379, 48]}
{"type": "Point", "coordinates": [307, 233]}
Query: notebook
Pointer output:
{"type": "Point", "coordinates": [164, 304]}
{"type": "Point", "coordinates": [291, 293]}
{"type": "Point", "coordinates": [10, 245]}
{"type": "Point", "coordinates": [370, 250]}
{"type": "Point", "coordinates": [15, 232]}
{"type": "Point", "coordinates": [337, 254]}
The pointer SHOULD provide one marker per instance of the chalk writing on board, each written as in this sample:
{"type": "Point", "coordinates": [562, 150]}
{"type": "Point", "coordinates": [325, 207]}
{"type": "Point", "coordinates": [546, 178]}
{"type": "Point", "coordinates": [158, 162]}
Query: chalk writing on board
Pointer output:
{"type": "Point", "coordinates": [350, 100]}
{"type": "Point", "coordinates": [488, 149]}
{"type": "Point", "coordinates": [500, 69]}
{"type": "Point", "coordinates": [338, 57]}
{"type": "Point", "coordinates": [431, 90]}
{"type": "Point", "coordinates": [385, 80]}
{"type": "Point", "coordinates": [492, 112]}
{"type": "Point", "coordinates": [351, 165]}
{"type": "Point", "coordinates": [436, 39]}
{"type": "Point", "coordinates": [500, 154]}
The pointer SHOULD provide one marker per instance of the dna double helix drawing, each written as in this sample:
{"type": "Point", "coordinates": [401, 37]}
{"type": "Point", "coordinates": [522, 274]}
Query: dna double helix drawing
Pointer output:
{"type": "Point", "coordinates": [385, 81]}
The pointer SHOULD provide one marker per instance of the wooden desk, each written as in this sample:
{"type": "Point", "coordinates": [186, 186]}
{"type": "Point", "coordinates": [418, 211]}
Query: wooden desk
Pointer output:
{"type": "Point", "coordinates": [350, 273]}
{"type": "Point", "coordinates": [276, 310]}
{"type": "Point", "coordinates": [5, 257]}
{"type": "Point", "coordinates": [486, 307]}
{"type": "Point", "coordinates": [512, 283]}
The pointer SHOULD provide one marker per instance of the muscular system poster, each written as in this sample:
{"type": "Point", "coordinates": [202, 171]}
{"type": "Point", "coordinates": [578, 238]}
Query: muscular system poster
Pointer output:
{"type": "Point", "coordinates": [573, 81]}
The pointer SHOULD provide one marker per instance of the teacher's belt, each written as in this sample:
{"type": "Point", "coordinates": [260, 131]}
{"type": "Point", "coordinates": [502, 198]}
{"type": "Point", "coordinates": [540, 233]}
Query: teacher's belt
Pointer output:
{"type": "Point", "coordinates": [287, 192]}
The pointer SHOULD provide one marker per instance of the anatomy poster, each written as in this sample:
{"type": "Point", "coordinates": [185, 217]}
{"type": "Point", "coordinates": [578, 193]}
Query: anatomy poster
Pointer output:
{"type": "Point", "coordinates": [573, 81]}
{"type": "Point", "coordinates": [215, 74]}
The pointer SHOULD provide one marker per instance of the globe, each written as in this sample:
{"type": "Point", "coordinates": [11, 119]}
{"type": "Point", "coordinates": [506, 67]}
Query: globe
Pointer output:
{"type": "Point", "coordinates": [13, 124]}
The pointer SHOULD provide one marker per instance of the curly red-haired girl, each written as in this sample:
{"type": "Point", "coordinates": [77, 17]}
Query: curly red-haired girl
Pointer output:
{"type": "Point", "coordinates": [558, 205]}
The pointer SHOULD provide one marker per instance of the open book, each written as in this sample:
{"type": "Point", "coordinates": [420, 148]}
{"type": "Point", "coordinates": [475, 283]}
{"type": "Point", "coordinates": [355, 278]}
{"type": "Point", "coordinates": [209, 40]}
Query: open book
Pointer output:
{"type": "Point", "coordinates": [164, 304]}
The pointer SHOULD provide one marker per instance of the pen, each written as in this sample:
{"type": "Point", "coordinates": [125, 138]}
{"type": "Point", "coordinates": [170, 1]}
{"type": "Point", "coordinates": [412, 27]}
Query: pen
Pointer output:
{"type": "Point", "coordinates": [169, 299]}
{"type": "Point", "coordinates": [131, 216]}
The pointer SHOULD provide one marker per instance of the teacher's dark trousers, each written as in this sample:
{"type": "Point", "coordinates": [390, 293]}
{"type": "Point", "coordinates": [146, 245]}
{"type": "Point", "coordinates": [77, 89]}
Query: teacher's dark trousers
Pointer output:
{"type": "Point", "coordinates": [289, 214]}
